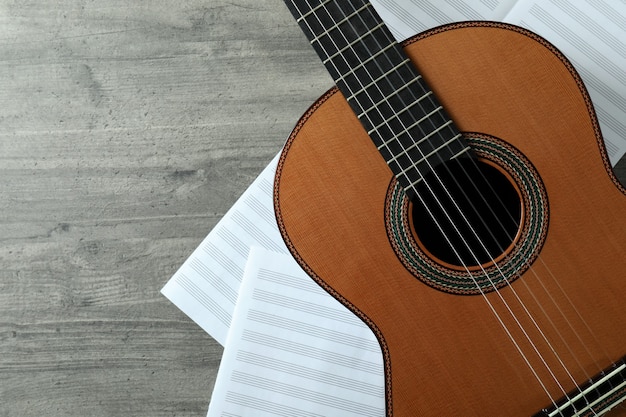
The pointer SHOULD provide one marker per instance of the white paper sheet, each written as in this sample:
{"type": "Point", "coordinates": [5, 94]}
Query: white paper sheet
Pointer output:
{"type": "Point", "coordinates": [206, 286]}
{"type": "Point", "coordinates": [405, 18]}
{"type": "Point", "coordinates": [294, 351]}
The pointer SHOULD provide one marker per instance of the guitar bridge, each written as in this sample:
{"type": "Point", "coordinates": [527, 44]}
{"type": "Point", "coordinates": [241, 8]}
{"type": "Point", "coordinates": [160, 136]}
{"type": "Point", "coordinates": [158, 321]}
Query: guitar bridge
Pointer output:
{"type": "Point", "coordinates": [595, 398]}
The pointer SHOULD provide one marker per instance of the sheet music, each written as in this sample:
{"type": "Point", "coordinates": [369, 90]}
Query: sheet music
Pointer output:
{"type": "Point", "coordinates": [294, 351]}
{"type": "Point", "coordinates": [206, 285]}
{"type": "Point", "coordinates": [405, 18]}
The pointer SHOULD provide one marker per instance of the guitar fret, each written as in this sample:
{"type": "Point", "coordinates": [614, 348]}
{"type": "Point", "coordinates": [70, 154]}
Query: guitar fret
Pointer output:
{"type": "Point", "coordinates": [361, 64]}
{"type": "Point", "coordinates": [349, 46]}
{"type": "Point", "coordinates": [464, 150]}
{"type": "Point", "coordinates": [415, 145]}
{"type": "Point", "coordinates": [381, 86]}
{"type": "Point", "coordinates": [431, 153]}
{"type": "Point", "coordinates": [405, 85]}
{"type": "Point", "coordinates": [374, 56]}
{"type": "Point", "coordinates": [387, 97]}
{"type": "Point", "coordinates": [313, 10]}
{"type": "Point", "coordinates": [410, 180]}
{"type": "Point", "coordinates": [407, 129]}
{"type": "Point", "coordinates": [397, 115]}
{"type": "Point", "coordinates": [340, 22]}
{"type": "Point", "coordinates": [414, 183]}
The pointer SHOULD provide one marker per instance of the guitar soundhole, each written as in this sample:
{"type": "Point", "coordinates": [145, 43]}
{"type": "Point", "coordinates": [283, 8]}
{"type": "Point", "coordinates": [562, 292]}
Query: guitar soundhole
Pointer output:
{"type": "Point", "coordinates": [468, 213]}
{"type": "Point", "coordinates": [498, 236]}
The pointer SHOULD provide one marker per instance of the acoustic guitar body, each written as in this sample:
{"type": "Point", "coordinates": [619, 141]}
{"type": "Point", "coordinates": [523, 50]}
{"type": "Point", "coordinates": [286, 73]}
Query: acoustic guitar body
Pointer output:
{"type": "Point", "coordinates": [557, 317]}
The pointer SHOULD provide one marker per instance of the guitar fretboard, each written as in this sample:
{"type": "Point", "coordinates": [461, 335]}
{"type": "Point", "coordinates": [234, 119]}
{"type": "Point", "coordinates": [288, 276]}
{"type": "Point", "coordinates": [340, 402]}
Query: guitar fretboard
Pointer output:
{"type": "Point", "coordinates": [397, 109]}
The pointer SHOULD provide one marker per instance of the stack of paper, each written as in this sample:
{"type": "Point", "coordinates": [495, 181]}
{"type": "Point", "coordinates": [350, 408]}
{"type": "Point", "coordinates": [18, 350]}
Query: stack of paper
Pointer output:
{"type": "Point", "coordinates": [290, 348]}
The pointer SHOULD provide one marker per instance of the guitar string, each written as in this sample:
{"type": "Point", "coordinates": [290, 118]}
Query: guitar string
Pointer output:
{"type": "Point", "coordinates": [511, 337]}
{"type": "Point", "coordinates": [548, 316]}
{"type": "Point", "coordinates": [540, 281]}
{"type": "Point", "coordinates": [454, 249]}
{"type": "Point", "coordinates": [549, 293]}
{"type": "Point", "coordinates": [474, 208]}
{"type": "Point", "coordinates": [473, 231]}
{"type": "Point", "coordinates": [543, 287]}
{"type": "Point", "coordinates": [510, 237]}
{"type": "Point", "coordinates": [530, 290]}
{"type": "Point", "coordinates": [498, 268]}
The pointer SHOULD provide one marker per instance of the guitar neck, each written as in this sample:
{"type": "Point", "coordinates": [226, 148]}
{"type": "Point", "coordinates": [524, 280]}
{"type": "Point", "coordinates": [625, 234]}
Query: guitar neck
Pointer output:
{"type": "Point", "coordinates": [398, 110]}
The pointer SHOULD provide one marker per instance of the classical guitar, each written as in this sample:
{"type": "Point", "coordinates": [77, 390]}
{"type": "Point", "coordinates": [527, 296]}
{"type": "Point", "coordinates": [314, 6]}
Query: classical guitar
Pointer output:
{"type": "Point", "coordinates": [456, 195]}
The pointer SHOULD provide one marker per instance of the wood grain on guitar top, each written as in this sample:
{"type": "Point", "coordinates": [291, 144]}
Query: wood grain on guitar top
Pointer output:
{"type": "Point", "coordinates": [448, 355]}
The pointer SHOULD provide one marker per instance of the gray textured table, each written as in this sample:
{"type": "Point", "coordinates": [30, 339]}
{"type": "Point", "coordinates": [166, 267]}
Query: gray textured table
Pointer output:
{"type": "Point", "coordinates": [127, 129]}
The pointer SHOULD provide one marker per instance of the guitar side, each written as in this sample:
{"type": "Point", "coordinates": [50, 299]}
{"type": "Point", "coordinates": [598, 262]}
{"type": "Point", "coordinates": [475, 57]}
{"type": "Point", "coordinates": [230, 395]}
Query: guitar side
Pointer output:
{"type": "Point", "coordinates": [445, 354]}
